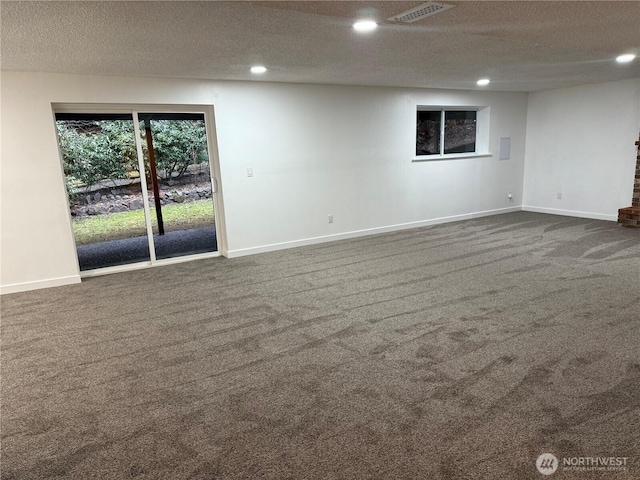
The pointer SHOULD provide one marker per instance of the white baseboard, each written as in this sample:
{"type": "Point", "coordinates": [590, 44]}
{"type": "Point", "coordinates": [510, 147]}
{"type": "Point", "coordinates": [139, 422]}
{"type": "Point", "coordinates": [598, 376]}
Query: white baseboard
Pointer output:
{"type": "Point", "coordinates": [38, 284]}
{"type": "Point", "coordinates": [361, 233]}
{"type": "Point", "coordinates": [570, 213]}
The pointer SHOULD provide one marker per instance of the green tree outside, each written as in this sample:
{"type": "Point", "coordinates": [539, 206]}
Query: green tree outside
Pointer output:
{"type": "Point", "coordinates": [94, 152]}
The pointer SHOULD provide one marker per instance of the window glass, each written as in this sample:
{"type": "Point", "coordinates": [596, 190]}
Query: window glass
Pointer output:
{"type": "Point", "coordinates": [428, 132]}
{"type": "Point", "coordinates": [459, 131]}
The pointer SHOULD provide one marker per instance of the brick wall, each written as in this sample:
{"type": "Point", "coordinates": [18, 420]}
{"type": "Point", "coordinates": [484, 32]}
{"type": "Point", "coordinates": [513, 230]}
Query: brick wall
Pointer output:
{"type": "Point", "coordinates": [630, 216]}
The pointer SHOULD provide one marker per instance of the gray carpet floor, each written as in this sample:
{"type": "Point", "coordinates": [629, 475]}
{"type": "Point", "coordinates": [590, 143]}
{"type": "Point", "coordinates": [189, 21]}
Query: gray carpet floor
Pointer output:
{"type": "Point", "coordinates": [459, 351]}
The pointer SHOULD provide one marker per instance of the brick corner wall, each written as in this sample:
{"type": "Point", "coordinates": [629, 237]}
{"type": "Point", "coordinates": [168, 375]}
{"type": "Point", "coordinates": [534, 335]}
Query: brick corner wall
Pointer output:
{"type": "Point", "coordinates": [630, 216]}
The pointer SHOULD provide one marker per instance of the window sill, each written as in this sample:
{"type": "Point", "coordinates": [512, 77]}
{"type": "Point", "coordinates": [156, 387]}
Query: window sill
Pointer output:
{"type": "Point", "coordinates": [450, 156]}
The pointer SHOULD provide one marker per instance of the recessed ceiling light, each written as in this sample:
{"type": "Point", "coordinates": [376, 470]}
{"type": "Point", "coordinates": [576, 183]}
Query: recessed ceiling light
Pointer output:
{"type": "Point", "coordinates": [365, 26]}
{"type": "Point", "coordinates": [626, 58]}
{"type": "Point", "coordinates": [483, 81]}
{"type": "Point", "coordinates": [258, 69]}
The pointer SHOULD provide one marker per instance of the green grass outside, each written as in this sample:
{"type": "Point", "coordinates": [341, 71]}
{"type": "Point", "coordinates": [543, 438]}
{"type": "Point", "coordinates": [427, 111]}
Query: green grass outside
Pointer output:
{"type": "Point", "coordinates": [115, 226]}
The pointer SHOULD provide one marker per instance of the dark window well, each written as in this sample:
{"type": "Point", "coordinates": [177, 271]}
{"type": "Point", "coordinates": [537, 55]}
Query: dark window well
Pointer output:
{"type": "Point", "coordinates": [458, 132]}
{"type": "Point", "coordinates": [428, 132]}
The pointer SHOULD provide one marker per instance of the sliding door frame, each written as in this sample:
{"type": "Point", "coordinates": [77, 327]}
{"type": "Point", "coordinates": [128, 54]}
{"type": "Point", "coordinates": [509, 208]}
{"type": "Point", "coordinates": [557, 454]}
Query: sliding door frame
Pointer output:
{"type": "Point", "coordinates": [214, 167]}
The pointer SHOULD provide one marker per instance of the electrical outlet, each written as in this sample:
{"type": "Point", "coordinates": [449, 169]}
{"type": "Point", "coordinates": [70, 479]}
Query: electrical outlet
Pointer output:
{"type": "Point", "coordinates": [510, 197]}
{"type": "Point", "coordinates": [559, 195]}
{"type": "Point", "coordinates": [331, 218]}
{"type": "Point", "coordinates": [249, 172]}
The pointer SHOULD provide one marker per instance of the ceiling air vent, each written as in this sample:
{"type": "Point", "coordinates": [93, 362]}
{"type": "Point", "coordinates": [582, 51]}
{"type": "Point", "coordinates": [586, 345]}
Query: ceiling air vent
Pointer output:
{"type": "Point", "coordinates": [421, 11]}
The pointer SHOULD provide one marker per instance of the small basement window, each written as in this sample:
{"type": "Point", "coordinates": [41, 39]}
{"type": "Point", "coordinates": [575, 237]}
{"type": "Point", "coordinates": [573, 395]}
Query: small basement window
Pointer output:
{"type": "Point", "coordinates": [451, 132]}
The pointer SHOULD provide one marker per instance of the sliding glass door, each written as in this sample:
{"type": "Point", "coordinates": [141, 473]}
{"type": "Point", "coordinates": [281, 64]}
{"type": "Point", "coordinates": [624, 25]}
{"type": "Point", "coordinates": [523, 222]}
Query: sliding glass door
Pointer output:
{"type": "Point", "coordinates": [139, 186]}
{"type": "Point", "coordinates": [179, 188]}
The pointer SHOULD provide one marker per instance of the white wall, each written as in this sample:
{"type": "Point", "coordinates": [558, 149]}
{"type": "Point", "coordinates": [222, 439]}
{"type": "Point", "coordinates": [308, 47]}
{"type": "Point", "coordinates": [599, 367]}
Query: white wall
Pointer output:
{"type": "Point", "coordinates": [580, 142]}
{"type": "Point", "coordinates": [315, 150]}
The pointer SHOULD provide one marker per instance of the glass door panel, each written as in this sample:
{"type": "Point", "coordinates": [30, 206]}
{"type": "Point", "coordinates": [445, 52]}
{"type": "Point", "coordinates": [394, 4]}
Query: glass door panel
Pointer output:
{"type": "Point", "coordinates": [179, 183]}
{"type": "Point", "coordinates": [104, 188]}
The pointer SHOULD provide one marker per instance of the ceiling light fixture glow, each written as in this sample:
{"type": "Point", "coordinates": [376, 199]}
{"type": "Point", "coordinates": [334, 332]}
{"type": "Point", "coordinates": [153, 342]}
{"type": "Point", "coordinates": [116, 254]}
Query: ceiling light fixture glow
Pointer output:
{"type": "Point", "coordinates": [626, 58]}
{"type": "Point", "coordinates": [365, 26]}
{"type": "Point", "coordinates": [483, 82]}
{"type": "Point", "coordinates": [258, 69]}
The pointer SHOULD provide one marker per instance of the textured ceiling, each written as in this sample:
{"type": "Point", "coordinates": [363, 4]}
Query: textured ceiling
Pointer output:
{"type": "Point", "coordinates": [520, 45]}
